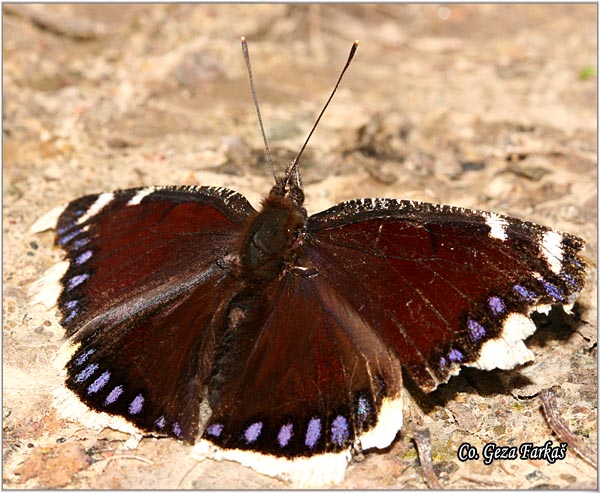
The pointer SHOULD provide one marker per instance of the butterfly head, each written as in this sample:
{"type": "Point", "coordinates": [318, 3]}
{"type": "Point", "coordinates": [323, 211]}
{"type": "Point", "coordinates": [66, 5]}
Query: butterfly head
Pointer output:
{"type": "Point", "coordinates": [290, 185]}
{"type": "Point", "coordinates": [271, 239]}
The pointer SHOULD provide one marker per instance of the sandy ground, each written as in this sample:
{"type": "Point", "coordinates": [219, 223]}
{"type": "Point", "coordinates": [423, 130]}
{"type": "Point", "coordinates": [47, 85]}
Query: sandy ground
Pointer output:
{"type": "Point", "coordinates": [491, 107]}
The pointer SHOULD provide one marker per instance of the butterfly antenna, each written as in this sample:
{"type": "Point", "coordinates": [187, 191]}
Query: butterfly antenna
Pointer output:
{"type": "Point", "coordinates": [293, 167]}
{"type": "Point", "coordinates": [262, 129]}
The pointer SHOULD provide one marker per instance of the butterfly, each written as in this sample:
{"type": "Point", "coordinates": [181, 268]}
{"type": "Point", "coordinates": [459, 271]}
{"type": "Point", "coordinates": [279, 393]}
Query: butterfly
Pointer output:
{"type": "Point", "coordinates": [292, 329]}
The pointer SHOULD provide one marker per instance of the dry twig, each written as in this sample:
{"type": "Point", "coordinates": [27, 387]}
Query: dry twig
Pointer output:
{"type": "Point", "coordinates": [423, 442]}
{"type": "Point", "coordinates": [548, 398]}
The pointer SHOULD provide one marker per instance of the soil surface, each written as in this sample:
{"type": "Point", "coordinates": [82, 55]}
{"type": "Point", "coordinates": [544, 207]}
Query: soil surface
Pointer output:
{"type": "Point", "coordinates": [484, 106]}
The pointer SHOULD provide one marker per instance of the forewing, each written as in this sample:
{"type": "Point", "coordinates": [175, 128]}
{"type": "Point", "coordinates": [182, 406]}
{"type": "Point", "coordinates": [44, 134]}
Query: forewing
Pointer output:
{"type": "Point", "coordinates": [123, 244]}
{"type": "Point", "coordinates": [444, 286]}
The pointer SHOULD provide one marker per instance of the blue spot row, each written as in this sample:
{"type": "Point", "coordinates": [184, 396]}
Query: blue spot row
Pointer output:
{"type": "Point", "coordinates": [525, 293]}
{"type": "Point", "coordinates": [363, 410]}
{"type": "Point", "coordinates": [550, 288]}
{"type": "Point", "coordinates": [76, 281]}
{"type": "Point", "coordinates": [286, 432]}
{"type": "Point", "coordinates": [215, 429]}
{"type": "Point", "coordinates": [63, 229]}
{"type": "Point", "coordinates": [253, 432]}
{"type": "Point", "coordinates": [313, 432]}
{"type": "Point", "coordinates": [66, 227]}
{"type": "Point", "coordinates": [87, 372]}
{"type": "Point", "coordinates": [100, 382]}
{"type": "Point", "coordinates": [161, 422]}
{"type": "Point", "coordinates": [137, 404]}
{"type": "Point", "coordinates": [82, 358]}
{"type": "Point", "coordinates": [176, 429]}
{"type": "Point", "coordinates": [68, 237]}
{"type": "Point", "coordinates": [71, 305]}
{"type": "Point", "coordinates": [114, 395]}
{"type": "Point", "coordinates": [83, 257]}
{"type": "Point", "coordinates": [553, 290]}
{"type": "Point", "coordinates": [77, 244]}
{"type": "Point", "coordinates": [497, 305]}
{"type": "Point", "coordinates": [476, 330]}
{"type": "Point", "coordinates": [454, 356]}
{"type": "Point", "coordinates": [340, 430]}
{"type": "Point", "coordinates": [569, 279]}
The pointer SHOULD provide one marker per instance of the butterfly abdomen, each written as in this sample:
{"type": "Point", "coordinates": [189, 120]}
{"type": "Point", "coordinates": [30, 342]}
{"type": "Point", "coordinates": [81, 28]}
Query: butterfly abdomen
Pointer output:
{"type": "Point", "coordinates": [269, 240]}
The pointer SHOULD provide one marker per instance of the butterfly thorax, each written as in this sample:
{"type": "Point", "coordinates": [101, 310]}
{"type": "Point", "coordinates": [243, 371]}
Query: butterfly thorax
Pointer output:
{"type": "Point", "coordinates": [270, 238]}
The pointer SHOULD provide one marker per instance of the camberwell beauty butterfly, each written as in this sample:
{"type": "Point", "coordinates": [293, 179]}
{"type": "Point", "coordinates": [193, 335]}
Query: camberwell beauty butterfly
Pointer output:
{"type": "Point", "coordinates": [292, 329]}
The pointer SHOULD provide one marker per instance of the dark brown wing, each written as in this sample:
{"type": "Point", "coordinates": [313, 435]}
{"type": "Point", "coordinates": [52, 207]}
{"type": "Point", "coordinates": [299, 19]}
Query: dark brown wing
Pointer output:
{"type": "Point", "coordinates": [148, 359]}
{"type": "Point", "coordinates": [314, 379]}
{"type": "Point", "coordinates": [148, 278]}
{"type": "Point", "coordinates": [122, 244]}
{"type": "Point", "coordinates": [444, 286]}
